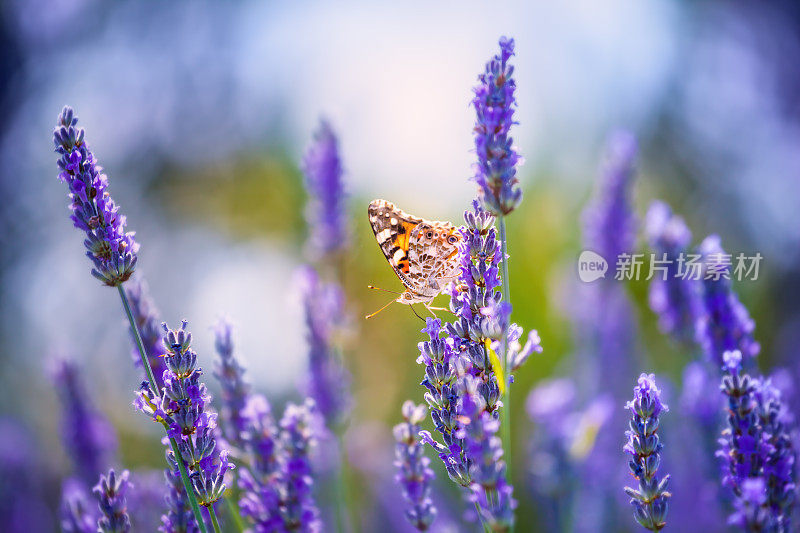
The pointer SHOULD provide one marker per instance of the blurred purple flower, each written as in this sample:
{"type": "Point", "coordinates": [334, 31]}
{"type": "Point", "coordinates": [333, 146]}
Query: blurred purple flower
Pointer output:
{"type": "Point", "coordinates": [178, 517]}
{"type": "Point", "coordinates": [111, 491]}
{"type": "Point", "coordinates": [78, 515]}
{"type": "Point", "coordinates": [184, 406]}
{"type": "Point", "coordinates": [494, 103]}
{"type": "Point", "coordinates": [111, 249]}
{"type": "Point", "coordinates": [146, 499]}
{"type": "Point", "coordinates": [673, 298]}
{"type": "Point", "coordinates": [413, 470]}
{"type": "Point", "coordinates": [441, 360]}
{"type": "Point", "coordinates": [149, 324]}
{"type": "Point", "coordinates": [489, 487]}
{"type": "Point", "coordinates": [329, 381]}
{"type": "Point", "coordinates": [235, 389]}
{"type": "Point", "coordinates": [325, 212]}
{"type": "Point", "coordinates": [724, 324]}
{"type": "Point", "coordinates": [749, 508]}
{"type": "Point", "coordinates": [609, 224]}
{"type": "Point", "coordinates": [650, 499]}
{"type": "Point", "coordinates": [88, 437]}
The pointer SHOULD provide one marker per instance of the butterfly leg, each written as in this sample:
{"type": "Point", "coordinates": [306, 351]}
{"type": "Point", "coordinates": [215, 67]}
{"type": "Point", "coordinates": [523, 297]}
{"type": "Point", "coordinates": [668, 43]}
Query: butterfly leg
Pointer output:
{"type": "Point", "coordinates": [415, 312]}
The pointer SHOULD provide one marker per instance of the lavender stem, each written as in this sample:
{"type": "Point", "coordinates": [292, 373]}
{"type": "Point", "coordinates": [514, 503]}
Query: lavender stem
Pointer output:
{"type": "Point", "coordinates": [236, 514]}
{"type": "Point", "coordinates": [149, 372]}
{"type": "Point", "coordinates": [214, 521]}
{"type": "Point", "coordinates": [505, 421]}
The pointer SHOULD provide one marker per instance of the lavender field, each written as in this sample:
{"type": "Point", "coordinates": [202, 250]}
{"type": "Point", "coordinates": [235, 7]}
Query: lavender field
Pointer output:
{"type": "Point", "coordinates": [354, 267]}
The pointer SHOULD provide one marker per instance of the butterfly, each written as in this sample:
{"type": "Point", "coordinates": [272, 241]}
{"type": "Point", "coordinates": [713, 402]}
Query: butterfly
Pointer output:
{"type": "Point", "coordinates": [423, 253]}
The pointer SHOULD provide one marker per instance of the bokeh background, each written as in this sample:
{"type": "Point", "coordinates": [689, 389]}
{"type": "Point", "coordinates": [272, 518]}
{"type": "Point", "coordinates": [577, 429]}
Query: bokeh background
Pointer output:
{"type": "Point", "coordinates": [200, 112]}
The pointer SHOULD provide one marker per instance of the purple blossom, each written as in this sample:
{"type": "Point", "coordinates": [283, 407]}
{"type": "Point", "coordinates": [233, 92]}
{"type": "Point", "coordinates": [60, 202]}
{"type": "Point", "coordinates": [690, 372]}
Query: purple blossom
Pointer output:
{"type": "Point", "coordinates": [325, 211]}
{"type": "Point", "coordinates": [494, 103]}
{"type": "Point", "coordinates": [756, 451]}
{"type": "Point", "coordinates": [88, 437]}
{"type": "Point", "coordinates": [278, 494]}
{"type": "Point", "coordinates": [650, 500]}
{"type": "Point", "coordinates": [673, 298]}
{"type": "Point", "coordinates": [149, 324]}
{"type": "Point", "coordinates": [235, 389]}
{"type": "Point", "coordinates": [111, 249]}
{"type": "Point", "coordinates": [609, 224]}
{"type": "Point", "coordinates": [413, 471]}
{"type": "Point", "coordinates": [110, 491]}
{"type": "Point", "coordinates": [441, 361]}
{"type": "Point", "coordinates": [724, 324]}
{"type": "Point", "coordinates": [78, 515]}
{"type": "Point", "coordinates": [178, 517]}
{"type": "Point", "coordinates": [489, 488]}
{"type": "Point", "coordinates": [329, 381]}
{"type": "Point", "coordinates": [184, 408]}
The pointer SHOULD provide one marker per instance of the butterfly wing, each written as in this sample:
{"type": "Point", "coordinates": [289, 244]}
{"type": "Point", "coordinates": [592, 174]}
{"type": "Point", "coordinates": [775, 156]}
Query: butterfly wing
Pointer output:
{"type": "Point", "coordinates": [433, 256]}
{"type": "Point", "coordinates": [393, 229]}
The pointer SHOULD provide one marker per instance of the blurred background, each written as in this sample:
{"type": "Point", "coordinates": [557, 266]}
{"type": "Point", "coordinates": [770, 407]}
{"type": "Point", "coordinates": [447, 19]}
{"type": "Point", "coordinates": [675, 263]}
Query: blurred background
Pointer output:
{"type": "Point", "coordinates": [200, 112]}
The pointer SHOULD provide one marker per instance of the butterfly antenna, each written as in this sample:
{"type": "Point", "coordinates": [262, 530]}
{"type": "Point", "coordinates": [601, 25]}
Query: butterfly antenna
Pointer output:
{"type": "Point", "coordinates": [379, 289]}
{"type": "Point", "coordinates": [379, 310]}
{"type": "Point", "coordinates": [415, 312]}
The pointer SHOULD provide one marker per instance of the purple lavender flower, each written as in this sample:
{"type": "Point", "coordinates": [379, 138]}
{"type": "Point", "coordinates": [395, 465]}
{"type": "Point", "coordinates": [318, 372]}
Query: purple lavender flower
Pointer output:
{"type": "Point", "coordinates": [413, 470]}
{"type": "Point", "coordinates": [278, 491]}
{"type": "Point", "coordinates": [489, 489]}
{"type": "Point", "coordinates": [778, 473]}
{"type": "Point", "coordinates": [235, 389]}
{"type": "Point", "coordinates": [478, 289]}
{"type": "Point", "coordinates": [88, 437]}
{"type": "Point", "coordinates": [110, 491]}
{"type": "Point", "coordinates": [77, 514]}
{"type": "Point", "coordinates": [725, 324]}
{"type": "Point", "coordinates": [749, 512]}
{"type": "Point", "coordinates": [326, 210]}
{"type": "Point", "coordinates": [650, 499]}
{"type": "Point", "coordinates": [609, 224]}
{"type": "Point", "coordinates": [329, 382]}
{"type": "Point", "coordinates": [184, 408]}
{"type": "Point", "coordinates": [178, 517]}
{"type": "Point", "coordinates": [441, 361]}
{"type": "Point", "coordinates": [494, 103]}
{"type": "Point", "coordinates": [111, 249]}
{"type": "Point", "coordinates": [149, 324]}
{"type": "Point", "coordinates": [675, 300]}
{"type": "Point", "coordinates": [146, 499]}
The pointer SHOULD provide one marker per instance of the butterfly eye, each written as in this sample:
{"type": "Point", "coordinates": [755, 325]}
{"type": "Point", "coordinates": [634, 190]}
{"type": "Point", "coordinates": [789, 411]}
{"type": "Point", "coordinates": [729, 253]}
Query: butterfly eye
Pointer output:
{"type": "Point", "coordinates": [452, 239]}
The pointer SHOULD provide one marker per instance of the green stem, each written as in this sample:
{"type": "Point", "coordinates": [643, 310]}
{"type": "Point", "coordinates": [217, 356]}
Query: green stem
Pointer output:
{"type": "Point", "coordinates": [505, 421]}
{"type": "Point", "coordinates": [343, 518]}
{"type": "Point", "coordinates": [187, 486]}
{"type": "Point", "coordinates": [236, 515]}
{"type": "Point", "coordinates": [480, 519]}
{"type": "Point", "coordinates": [214, 521]}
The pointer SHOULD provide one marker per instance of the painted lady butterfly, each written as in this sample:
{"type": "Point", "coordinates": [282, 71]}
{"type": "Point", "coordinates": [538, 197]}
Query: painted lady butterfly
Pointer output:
{"type": "Point", "coordinates": [423, 253]}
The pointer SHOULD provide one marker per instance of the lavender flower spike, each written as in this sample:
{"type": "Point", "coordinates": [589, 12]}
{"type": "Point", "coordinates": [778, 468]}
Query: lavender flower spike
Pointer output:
{"type": "Point", "coordinates": [494, 103]}
{"type": "Point", "coordinates": [184, 408]}
{"type": "Point", "coordinates": [88, 437]}
{"type": "Point", "coordinates": [111, 249]}
{"type": "Point", "coordinates": [235, 389]}
{"type": "Point", "coordinates": [110, 492]}
{"type": "Point", "coordinates": [644, 447]}
{"type": "Point", "coordinates": [756, 451]}
{"type": "Point", "coordinates": [490, 489]}
{"type": "Point", "coordinates": [179, 517]}
{"type": "Point", "coordinates": [725, 324]}
{"type": "Point", "coordinates": [329, 381]}
{"type": "Point", "coordinates": [609, 224]}
{"type": "Point", "coordinates": [674, 299]}
{"type": "Point", "coordinates": [298, 510]}
{"type": "Point", "coordinates": [325, 212]}
{"type": "Point", "coordinates": [441, 362]}
{"type": "Point", "coordinates": [413, 470]}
